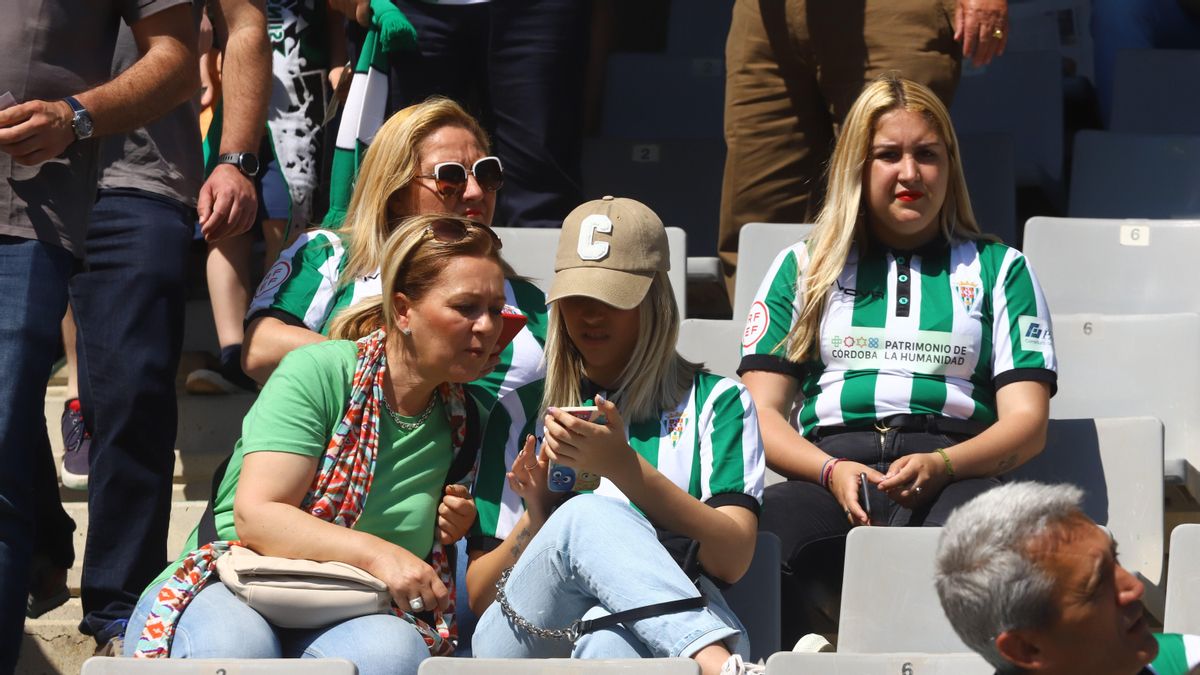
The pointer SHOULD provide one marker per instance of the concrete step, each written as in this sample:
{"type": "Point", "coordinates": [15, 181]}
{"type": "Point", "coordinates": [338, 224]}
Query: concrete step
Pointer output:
{"type": "Point", "coordinates": [209, 426]}
{"type": "Point", "coordinates": [53, 645]}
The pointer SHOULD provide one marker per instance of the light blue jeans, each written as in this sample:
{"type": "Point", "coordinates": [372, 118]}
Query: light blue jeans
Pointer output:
{"type": "Point", "coordinates": [218, 625]}
{"type": "Point", "coordinates": [597, 556]}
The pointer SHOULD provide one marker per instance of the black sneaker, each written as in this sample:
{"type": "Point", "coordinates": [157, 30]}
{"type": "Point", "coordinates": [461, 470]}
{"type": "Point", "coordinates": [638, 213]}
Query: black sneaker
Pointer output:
{"type": "Point", "coordinates": [77, 444]}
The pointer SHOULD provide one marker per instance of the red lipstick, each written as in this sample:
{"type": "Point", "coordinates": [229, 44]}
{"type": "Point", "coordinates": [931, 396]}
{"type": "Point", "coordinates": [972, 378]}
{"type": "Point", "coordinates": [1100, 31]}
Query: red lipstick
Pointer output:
{"type": "Point", "coordinates": [909, 195]}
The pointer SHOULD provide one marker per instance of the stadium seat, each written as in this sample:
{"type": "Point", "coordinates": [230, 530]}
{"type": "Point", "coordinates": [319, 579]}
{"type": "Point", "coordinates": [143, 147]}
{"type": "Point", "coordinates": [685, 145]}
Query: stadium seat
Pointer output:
{"type": "Point", "coordinates": [714, 342]}
{"type": "Point", "coordinates": [453, 666]}
{"type": "Point", "coordinates": [1117, 175]}
{"type": "Point", "coordinates": [1115, 366]}
{"type": "Point", "coordinates": [530, 251]}
{"type": "Point", "coordinates": [758, 244]}
{"type": "Point", "coordinates": [679, 179]}
{"type": "Point", "coordinates": [898, 611]}
{"type": "Point", "coordinates": [790, 663]}
{"type": "Point", "coordinates": [990, 171]}
{"type": "Point", "coordinates": [1157, 91]}
{"type": "Point", "coordinates": [649, 95]}
{"type": "Point", "coordinates": [1115, 266]}
{"type": "Point", "coordinates": [1118, 464]}
{"type": "Point", "coordinates": [756, 597]}
{"type": "Point", "coordinates": [1022, 95]}
{"type": "Point", "coordinates": [108, 665]}
{"type": "Point", "coordinates": [1183, 586]}
{"type": "Point", "coordinates": [698, 28]}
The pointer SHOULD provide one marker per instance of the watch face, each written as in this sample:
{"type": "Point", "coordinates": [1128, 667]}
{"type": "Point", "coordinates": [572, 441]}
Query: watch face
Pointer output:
{"type": "Point", "coordinates": [83, 125]}
{"type": "Point", "coordinates": [249, 164]}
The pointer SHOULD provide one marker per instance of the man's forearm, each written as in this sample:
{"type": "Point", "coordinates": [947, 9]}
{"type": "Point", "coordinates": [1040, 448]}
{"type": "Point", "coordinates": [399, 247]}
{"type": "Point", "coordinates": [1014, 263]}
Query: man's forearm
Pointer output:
{"type": "Point", "coordinates": [162, 78]}
{"type": "Point", "coordinates": [246, 78]}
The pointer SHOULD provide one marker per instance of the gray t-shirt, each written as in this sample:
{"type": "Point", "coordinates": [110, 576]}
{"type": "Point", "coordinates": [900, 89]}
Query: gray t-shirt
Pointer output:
{"type": "Point", "coordinates": [57, 48]}
{"type": "Point", "coordinates": [165, 156]}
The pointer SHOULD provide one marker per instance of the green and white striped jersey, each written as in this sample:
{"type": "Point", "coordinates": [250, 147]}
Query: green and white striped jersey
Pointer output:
{"type": "Point", "coordinates": [303, 289]}
{"type": "Point", "coordinates": [1177, 654]}
{"type": "Point", "coordinates": [932, 331]}
{"type": "Point", "coordinates": [708, 445]}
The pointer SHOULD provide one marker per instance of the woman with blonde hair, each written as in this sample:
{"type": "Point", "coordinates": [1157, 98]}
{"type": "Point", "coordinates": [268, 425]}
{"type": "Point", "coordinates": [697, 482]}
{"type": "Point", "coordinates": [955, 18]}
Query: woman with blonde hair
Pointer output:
{"type": "Point", "coordinates": [428, 158]}
{"type": "Point", "coordinates": [344, 457]}
{"type": "Point", "coordinates": [898, 353]}
{"type": "Point", "coordinates": [673, 452]}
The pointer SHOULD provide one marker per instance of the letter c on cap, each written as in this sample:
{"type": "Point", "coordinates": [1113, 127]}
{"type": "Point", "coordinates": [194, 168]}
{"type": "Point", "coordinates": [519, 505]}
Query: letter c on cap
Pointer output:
{"type": "Point", "coordinates": [589, 249]}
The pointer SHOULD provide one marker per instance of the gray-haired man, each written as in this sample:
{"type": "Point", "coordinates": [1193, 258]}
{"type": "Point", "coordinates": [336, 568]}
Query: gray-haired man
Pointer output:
{"type": "Point", "coordinates": [1033, 585]}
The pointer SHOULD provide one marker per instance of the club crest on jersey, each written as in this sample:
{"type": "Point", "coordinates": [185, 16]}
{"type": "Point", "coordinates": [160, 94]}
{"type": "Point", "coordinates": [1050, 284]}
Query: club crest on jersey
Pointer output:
{"type": "Point", "coordinates": [673, 424]}
{"type": "Point", "coordinates": [968, 292]}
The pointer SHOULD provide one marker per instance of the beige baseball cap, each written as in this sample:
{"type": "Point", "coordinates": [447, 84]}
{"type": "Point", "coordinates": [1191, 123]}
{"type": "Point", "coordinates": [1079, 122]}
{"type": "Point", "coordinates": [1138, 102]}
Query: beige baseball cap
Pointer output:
{"type": "Point", "coordinates": [610, 249]}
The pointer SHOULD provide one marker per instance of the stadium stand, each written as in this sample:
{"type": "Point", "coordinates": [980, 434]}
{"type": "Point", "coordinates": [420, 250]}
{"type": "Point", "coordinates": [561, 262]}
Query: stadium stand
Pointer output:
{"type": "Point", "coordinates": [789, 663]}
{"type": "Point", "coordinates": [758, 245]}
{"type": "Point", "coordinates": [714, 342]}
{"type": "Point", "coordinates": [646, 93]}
{"type": "Point", "coordinates": [1117, 175]}
{"type": "Point", "coordinates": [1157, 91]}
{"type": "Point", "coordinates": [1183, 591]}
{"type": "Point", "coordinates": [989, 167]}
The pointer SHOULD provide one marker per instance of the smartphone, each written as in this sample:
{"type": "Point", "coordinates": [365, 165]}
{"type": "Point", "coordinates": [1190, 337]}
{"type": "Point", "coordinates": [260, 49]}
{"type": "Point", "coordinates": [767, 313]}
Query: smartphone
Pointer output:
{"type": "Point", "coordinates": [864, 495]}
{"type": "Point", "coordinates": [564, 478]}
{"type": "Point", "coordinates": [514, 321]}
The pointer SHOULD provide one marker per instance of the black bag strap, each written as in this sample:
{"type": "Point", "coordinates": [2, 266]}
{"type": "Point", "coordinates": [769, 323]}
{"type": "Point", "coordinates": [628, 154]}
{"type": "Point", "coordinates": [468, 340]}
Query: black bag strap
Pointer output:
{"type": "Point", "coordinates": [583, 627]}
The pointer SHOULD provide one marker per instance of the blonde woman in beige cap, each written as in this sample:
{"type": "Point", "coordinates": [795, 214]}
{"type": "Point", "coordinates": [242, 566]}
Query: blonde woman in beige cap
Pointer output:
{"type": "Point", "coordinates": [674, 452]}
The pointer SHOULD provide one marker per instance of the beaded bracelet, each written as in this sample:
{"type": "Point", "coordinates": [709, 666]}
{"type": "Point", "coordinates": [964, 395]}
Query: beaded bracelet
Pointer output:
{"type": "Point", "coordinates": [946, 459]}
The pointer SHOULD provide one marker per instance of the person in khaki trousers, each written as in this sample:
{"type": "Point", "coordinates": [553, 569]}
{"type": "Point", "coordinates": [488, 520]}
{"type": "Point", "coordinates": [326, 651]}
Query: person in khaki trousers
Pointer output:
{"type": "Point", "coordinates": [794, 67]}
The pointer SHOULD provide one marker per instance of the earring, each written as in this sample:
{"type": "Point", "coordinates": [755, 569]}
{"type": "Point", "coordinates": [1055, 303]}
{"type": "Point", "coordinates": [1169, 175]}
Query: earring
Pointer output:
{"type": "Point", "coordinates": [406, 331]}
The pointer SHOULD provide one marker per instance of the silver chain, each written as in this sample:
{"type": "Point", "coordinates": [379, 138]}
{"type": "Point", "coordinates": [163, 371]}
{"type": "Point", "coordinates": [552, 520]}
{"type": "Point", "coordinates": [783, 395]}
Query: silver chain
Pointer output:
{"type": "Point", "coordinates": [416, 423]}
{"type": "Point", "coordinates": [569, 633]}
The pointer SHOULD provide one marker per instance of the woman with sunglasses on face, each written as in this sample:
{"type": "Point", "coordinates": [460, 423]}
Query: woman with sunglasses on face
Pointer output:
{"type": "Point", "coordinates": [344, 457]}
{"type": "Point", "coordinates": [428, 158]}
{"type": "Point", "coordinates": [898, 345]}
{"type": "Point", "coordinates": [679, 457]}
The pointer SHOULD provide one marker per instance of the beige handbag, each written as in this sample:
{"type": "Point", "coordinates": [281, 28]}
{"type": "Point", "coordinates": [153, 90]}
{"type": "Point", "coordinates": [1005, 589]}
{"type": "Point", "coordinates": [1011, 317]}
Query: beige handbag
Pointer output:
{"type": "Point", "coordinates": [301, 593]}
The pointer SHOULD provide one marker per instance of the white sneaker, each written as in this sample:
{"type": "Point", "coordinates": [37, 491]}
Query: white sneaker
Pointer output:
{"type": "Point", "coordinates": [734, 665]}
{"type": "Point", "coordinates": [813, 643]}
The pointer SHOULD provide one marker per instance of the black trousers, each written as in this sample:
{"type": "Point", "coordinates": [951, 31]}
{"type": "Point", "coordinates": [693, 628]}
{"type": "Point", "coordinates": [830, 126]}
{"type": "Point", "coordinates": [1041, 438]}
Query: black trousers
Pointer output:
{"type": "Point", "coordinates": [812, 526]}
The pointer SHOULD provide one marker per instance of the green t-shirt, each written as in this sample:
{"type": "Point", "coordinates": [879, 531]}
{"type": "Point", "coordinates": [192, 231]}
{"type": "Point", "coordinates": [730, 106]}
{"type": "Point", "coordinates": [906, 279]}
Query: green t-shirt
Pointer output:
{"type": "Point", "coordinates": [297, 411]}
{"type": "Point", "coordinates": [1177, 654]}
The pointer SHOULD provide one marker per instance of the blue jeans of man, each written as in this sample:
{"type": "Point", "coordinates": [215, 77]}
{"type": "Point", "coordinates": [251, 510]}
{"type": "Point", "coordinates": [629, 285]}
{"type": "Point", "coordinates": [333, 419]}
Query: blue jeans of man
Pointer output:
{"type": "Point", "coordinates": [593, 557]}
{"type": "Point", "coordinates": [33, 298]}
{"type": "Point", "coordinates": [216, 624]}
{"type": "Point", "coordinates": [129, 307]}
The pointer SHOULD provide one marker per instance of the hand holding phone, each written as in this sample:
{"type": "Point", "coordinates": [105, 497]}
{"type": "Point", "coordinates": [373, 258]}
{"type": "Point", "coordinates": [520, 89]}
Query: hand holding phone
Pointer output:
{"type": "Point", "coordinates": [564, 478]}
{"type": "Point", "coordinates": [864, 497]}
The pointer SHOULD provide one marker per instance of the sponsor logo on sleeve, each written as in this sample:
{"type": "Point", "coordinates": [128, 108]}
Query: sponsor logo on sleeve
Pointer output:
{"type": "Point", "coordinates": [1035, 334]}
{"type": "Point", "coordinates": [274, 278]}
{"type": "Point", "coordinates": [757, 322]}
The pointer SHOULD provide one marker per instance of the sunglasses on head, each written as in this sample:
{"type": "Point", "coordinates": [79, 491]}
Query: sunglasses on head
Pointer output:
{"type": "Point", "coordinates": [453, 231]}
{"type": "Point", "coordinates": [451, 177]}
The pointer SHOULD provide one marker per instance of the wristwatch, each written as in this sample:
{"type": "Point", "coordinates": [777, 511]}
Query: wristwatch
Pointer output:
{"type": "Point", "coordinates": [246, 162]}
{"type": "Point", "coordinates": [81, 123]}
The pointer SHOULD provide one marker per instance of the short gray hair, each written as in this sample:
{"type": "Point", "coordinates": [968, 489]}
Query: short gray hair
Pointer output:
{"type": "Point", "coordinates": [985, 578]}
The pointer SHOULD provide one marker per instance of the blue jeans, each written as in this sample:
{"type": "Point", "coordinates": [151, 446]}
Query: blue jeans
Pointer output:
{"type": "Point", "coordinates": [218, 625]}
{"type": "Point", "coordinates": [593, 557]}
{"type": "Point", "coordinates": [129, 305]}
{"type": "Point", "coordinates": [33, 298]}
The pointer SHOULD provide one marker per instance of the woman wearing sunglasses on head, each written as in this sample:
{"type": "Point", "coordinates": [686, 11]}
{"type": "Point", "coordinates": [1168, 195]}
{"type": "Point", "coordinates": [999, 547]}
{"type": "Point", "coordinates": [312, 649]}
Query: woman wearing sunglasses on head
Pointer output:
{"type": "Point", "coordinates": [344, 457]}
{"type": "Point", "coordinates": [428, 158]}
{"type": "Point", "coordinates": [907, 348]}
{"type": "Point", "coordinates": [675, 451]}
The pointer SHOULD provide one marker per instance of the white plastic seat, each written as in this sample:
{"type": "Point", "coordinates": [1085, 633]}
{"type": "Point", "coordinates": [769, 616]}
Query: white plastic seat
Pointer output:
{"type": "Point", "coordinates": [530, 251]}
{"type": "Point", "coordinates": [455, 666]}
{"type": "Point", "coordinates": [1119, 175]}
{"type": "Point", "coordinates": [714, 342]}
{"type": "Point", "coordinates": [1183, 587]}
{"type": "Point", "coordinates": [789, 663]}
{"type": "Point", "coordinates": [1117, 366]}
{"type": "Point", "coordinates": [758, 244]}
{"type": "Point", "coordinates": [1118, 464]}
{"type": "Point", "coordinates": [1157, 91]}
{"type": "Point", "coordinates": [1109, 266]}
{"type": "Point", "coordinates": [108, 665]}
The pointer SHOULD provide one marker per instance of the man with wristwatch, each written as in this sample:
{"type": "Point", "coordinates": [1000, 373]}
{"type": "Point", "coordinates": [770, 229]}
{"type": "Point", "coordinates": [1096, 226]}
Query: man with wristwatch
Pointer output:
{"type": "Point", "coordinates": [47, 186]}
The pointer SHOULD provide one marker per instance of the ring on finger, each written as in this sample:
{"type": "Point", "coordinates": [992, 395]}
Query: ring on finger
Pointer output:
{"type": "Point", "coordinates": [917, 489]}
{"type": "Point", "coordinates": [417, 604]}
{"type": "Point", "coordinates": [998, 34]}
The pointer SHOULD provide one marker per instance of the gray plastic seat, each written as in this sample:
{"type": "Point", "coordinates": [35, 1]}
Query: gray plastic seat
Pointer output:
{"type": "Point", "coordinates": [1118, 175]}
{"type": "Point", "coordinates": [714, 342]}
{"type": "Point", "coordinates": [1118, 464]}
{"type": "Point", "coordinates": [1115, 266]}
{"type": "Point", "coordinates": [758, 244]}
{"type": "Point", "coordinates": [530, 251]}
{"type": "Point", "coordinates": [789, 663]}
{"type": "Point", "coordinates": [679, 179]}
{"type": "Point", "coordinates": [1157, 91]}
{"type": "Point", "coordinates": [1183, 587]}
{"type": "Point", "coordinates": [1115, 366]}
{"type": "Point", "coordinates": [453, 666]}
{"type": "Point", "coordinates": [108, 665]}
{"type": "Point", "coordinates": [756, 597]}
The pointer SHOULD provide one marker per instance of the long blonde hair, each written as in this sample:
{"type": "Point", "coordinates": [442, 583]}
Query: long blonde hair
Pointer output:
{"type": "Point", "coordinates": [390, 165]}
{"type": "Point", "coordinates": [656, 377]}
{"type": "Point", "coordinates": [413, 259]}
{"type": "Point", "coordinates": [842, 221]}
